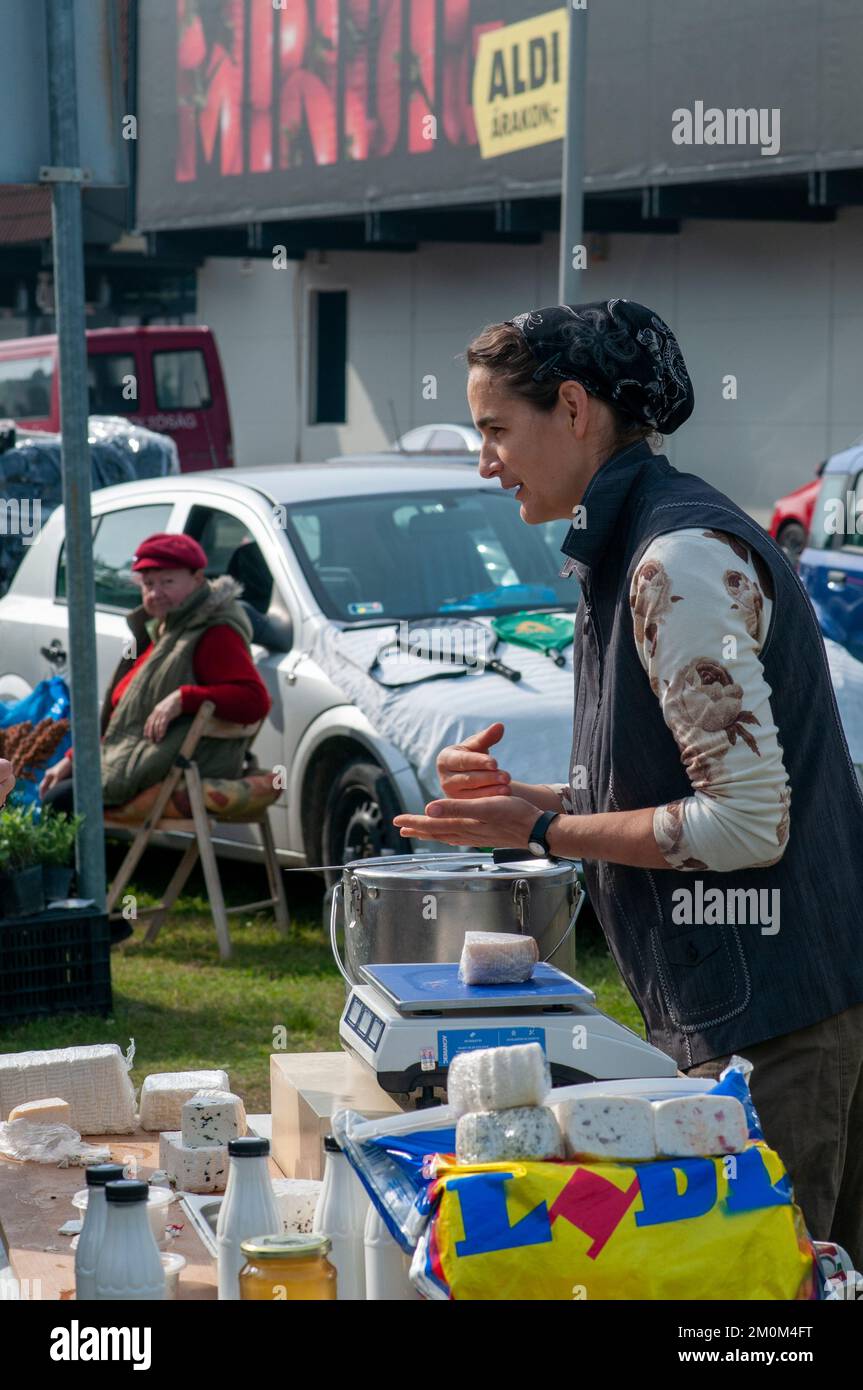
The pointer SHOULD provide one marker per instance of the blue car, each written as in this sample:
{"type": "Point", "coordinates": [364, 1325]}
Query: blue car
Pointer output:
{"type": "Point", "coordinates": [831, 566]}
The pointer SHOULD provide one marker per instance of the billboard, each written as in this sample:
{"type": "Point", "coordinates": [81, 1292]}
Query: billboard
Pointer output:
{"type": "Point", "coordinates": [264, 110]}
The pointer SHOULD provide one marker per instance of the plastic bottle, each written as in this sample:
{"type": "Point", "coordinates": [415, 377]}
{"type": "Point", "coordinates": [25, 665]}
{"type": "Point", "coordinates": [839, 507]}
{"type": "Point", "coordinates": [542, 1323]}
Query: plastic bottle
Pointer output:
{"type": "Point", "coordinates": [93, 1229]}
{"type": "Point", "coordinates": [387, 1265]}
{"type": "Point", "coordinates": [129, 1266]}
{"type": "Point", "coordinates": [249, 1209]}
{"type": "Point", "coordinates": [341, 1215]}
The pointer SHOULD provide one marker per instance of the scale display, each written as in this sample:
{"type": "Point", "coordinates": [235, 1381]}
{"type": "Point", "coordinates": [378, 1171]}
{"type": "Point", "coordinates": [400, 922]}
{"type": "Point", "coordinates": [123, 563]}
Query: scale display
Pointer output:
{"type": "Point", "coordinates": [419, 988]}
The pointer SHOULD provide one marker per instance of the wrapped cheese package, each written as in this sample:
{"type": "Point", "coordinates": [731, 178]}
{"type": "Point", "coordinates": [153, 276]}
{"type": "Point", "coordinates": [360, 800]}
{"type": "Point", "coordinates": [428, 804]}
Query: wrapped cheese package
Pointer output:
{"type": "Point", "coordinates": [164, 1093]}
{"type": "Point", "coordinates": [498, 1078]}
{"type": "Point", "coordinates": [608, 1127]}
{"type": "Point", "coordinates": [699, 1126]}
{"type": "Point", "coordinates": [93, 1080]}
{"type": "Point", "coordinates": [497, 958]}
{"type": "Point", "coordinates": [528, 1132]}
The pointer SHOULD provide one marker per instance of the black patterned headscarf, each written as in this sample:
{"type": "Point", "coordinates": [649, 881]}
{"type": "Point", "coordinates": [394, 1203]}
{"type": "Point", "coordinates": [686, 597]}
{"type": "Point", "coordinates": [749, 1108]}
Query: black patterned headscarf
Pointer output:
{"type": "Point", "coordinates": [620, 351]}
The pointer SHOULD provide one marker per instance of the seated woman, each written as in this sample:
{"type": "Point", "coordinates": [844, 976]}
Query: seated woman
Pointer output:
{"type": "Point", "coordinates": [190, 643]}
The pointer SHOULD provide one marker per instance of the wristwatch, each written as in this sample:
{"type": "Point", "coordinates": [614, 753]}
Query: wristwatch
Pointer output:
{"type": "Point", "coordinates": [538, 840]}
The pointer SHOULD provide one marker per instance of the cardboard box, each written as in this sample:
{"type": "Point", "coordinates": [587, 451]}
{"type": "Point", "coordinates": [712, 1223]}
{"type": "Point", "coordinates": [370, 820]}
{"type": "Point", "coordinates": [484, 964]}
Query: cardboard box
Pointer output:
{"type": "Point", "coordinates": [305, 1089]}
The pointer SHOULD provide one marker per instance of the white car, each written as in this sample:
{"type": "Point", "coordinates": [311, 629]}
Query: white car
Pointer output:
{"type": "Point", "coordinates": [333, 558]}
{"type": "Point", "coordinates": [445, 439]}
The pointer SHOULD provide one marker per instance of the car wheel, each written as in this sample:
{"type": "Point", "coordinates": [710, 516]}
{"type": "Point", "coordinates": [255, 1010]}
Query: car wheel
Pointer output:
{"type": "Point", "coordinates": [792, 539]}
{"type": "Point", "coordinates": [358, 821]}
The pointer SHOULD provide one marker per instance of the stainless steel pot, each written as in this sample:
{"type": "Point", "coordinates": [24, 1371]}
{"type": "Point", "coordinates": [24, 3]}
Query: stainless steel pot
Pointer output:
{"type": "Point", "coordinates": [417, 907]}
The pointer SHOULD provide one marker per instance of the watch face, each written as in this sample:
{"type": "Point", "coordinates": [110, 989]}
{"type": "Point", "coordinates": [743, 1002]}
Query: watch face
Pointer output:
{"type": "Point", "coordinates": [536, 848]}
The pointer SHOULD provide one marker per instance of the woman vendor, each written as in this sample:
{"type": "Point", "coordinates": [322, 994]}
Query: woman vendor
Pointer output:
{"type": "Point", "coordinates": [703, 700]}
{"type": "Point", "coordinates": [190, 643]}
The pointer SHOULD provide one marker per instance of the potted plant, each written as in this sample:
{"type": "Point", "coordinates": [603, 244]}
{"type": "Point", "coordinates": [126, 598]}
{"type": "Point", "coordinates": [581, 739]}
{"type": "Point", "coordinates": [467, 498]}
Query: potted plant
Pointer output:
{"type": "Point", "coordinates": [21, 891]}
{"type": "Point", "coordinates": [55, 851]}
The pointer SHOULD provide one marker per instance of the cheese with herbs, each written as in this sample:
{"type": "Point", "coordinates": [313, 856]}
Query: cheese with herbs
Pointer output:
{"type": "Point", "coordinates": [211, 1118]}
{"type": "Point", "coordinates": [193, 1170]}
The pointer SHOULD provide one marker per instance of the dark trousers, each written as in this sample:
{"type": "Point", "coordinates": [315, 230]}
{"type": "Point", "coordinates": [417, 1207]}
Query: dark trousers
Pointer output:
{"type": "Point", "coordinates": [61, 797]}
{"type": "Point", "coordinates": [807, 1087]}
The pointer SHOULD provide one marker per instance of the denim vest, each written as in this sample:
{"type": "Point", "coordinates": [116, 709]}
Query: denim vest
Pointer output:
{"type": "Point", "coordinates": [708, 988]}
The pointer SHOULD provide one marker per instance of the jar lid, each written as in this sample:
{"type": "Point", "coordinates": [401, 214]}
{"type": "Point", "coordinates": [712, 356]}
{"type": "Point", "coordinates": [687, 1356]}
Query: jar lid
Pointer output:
{"type": "Point", "coordinates": [248, 1147]}
{"type": "Point", "coordinates": [98, 1174]}
{"type": "Point", "coordinates": [285, 1247]}
{"type": "Point", "coordinates": [331, 1144]}
{"type": "Point", "coordinates": [127, 1190]}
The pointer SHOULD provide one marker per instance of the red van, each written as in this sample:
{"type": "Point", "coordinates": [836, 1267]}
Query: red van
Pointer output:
{"type": "Point", "coordinates": [169, 379]}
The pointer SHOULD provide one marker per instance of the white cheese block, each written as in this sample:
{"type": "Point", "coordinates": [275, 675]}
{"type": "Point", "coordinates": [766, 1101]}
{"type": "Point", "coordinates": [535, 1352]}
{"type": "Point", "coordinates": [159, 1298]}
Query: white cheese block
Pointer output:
{"type": "Point", "coordinates": [608, 1127]}
{"type": "Point", "coordinates": [699, 1126]}
{"type": "Point", "coordinates": [297, 1200]}
{"type": "Point", "coordinates": [93, 1080]}
{"type": "Point", "coordinates": [211, 1118]}
{"type": "Point", "coordinates": [164, 1093]}
{"type": "Point", "coordinates": [193, 1170]}
{"type": "Point", "coordinates": [497, 958]}
{"type": "Point", "coordinates": [498, 1078]}
{"type": "Point", "coordinates": [44, 1112]}
{"type": "Point", "coordinates": [527, 1132]}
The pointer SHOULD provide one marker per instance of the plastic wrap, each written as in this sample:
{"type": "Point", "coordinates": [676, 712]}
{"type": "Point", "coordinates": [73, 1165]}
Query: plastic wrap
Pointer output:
{"type": "Point", "coordinates": [497, 958]}
{"type": "Point", "coordinates": [608, 1127]}
{"type": "Point", "coordinates": [31, 476]}
{"type": "Point", "coordinates": [60, 1144]}
{"type": "Point", "coordinates": [498, 1078]}
{"type": "Point", "coordinates": [699, 1126]}
{"type": "Point", "coordinates": [529, 1132]}
{"type": "Point", "coordinates": [94, 1080]}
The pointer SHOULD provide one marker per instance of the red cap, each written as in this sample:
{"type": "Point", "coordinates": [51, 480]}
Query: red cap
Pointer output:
{"type": "Point", "coordinates": [169, 552]}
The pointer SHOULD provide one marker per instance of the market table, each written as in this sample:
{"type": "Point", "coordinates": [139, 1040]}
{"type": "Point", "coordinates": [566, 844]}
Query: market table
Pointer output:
{"type": "Point", "coordinates": [36, 1199]}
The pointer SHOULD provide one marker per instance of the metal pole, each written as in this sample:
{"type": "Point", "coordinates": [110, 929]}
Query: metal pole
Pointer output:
{"type": "Point", "coordinates": [65, 177]}
{"type": "Point", "coordinates": [572, 180]}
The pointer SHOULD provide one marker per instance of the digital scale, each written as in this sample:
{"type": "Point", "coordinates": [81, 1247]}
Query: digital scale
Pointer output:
{"type": "Point", "coordinates": [407, 1022]}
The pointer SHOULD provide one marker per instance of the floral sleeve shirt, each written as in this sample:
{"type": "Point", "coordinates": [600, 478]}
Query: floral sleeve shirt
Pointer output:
{"type": "Point", "coordinates": [701, 610]}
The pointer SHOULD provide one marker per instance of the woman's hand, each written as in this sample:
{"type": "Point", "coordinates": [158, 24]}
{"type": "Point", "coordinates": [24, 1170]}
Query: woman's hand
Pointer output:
{"type": "Point", "coordinates": [467, 771]}
{"type": "Point", "coordinates": [497, 821]}
{"type": "Point", "coordinates": [7, 779]}
{"type": "Point", "coordinates": [60, 772]}
{"type": "Point", "coordinates": [164, 713]}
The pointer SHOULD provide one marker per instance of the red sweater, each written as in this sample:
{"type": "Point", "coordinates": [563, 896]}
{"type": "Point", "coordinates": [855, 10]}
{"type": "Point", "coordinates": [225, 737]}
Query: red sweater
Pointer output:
{"type": "Point", "coordinates": [225, 673]}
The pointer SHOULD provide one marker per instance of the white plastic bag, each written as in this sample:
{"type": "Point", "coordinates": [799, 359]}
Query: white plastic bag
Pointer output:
{"type": "Point", "coordinates": [60, 1144]}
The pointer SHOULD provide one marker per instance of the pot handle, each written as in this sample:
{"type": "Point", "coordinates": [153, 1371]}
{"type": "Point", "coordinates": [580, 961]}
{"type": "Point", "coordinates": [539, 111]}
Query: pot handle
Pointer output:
{"type": "Point", "coordinates": [579, 904]}
{"type": "Point", "coordinates": [334, 913]}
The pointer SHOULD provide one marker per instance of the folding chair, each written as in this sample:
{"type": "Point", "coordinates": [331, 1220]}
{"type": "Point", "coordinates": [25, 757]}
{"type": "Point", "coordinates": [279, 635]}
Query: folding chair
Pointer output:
{"type": "Point", "coordinates": [204, 725]}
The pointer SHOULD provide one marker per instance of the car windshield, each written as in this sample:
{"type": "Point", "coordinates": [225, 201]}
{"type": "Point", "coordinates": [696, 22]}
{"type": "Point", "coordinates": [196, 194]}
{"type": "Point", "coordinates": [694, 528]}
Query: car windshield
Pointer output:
{"type": "Point", "coordinates": [408, 555]}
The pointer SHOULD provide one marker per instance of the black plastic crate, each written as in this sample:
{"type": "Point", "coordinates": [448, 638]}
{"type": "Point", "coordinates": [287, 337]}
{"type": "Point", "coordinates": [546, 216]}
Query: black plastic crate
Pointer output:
{"type": "Point", "coordinates": [58, 962]}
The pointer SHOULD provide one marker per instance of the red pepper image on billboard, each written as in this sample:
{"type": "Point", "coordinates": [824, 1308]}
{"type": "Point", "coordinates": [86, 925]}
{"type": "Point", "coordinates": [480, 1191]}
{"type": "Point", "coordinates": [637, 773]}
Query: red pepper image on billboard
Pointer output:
{"type": "Point", "coordinates": [359, 125]}
{"type": "Point", "coordinates": [261, 87]}
{"type": "Point", "coordinates": [293, 34]}
{"type": "Point", "coordinates": [306, 97]}
{"type": "Point", "coordinates": [421, 74]}
{"type": "Point", "coordinates": [210, 92]}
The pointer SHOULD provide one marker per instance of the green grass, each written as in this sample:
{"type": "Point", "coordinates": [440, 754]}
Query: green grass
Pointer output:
{"type": "Point", "coordinates": [187, 1009]}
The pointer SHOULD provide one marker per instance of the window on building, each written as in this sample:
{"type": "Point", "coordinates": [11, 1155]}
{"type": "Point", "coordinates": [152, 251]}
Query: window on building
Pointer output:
{"type": "Point", "coordinates": [25, 388]}
{"type": "Point", "coordinates": [113, 383]}
{"type": "Point", "coordinates": [329, 357]}
{"type": "Point", "coordinates": [116, 537]}
{"type": "Point", "coordinates": [181, 380]}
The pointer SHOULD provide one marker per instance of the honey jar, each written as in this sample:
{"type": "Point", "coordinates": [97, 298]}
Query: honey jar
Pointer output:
{"type": "Point", "coordinates": [290, 1268]}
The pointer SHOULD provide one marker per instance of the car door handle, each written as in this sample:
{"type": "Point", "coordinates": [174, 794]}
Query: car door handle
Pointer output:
{"type": "Point", "coordinates": [836, 579]}
{"type": "Point", "coordinates": [54, 653]}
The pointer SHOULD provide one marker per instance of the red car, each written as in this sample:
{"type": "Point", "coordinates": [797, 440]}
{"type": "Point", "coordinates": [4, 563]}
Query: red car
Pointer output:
{"type": "Point", "coordinates": [164, 377]}
{"type": "Point", "coordinates": [792, 516]}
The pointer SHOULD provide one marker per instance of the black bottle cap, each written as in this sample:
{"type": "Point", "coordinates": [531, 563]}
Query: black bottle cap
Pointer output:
{"type": "Point", "coordinates": [98, 1174]}
{"type": "Point", "coordinates": [331, 1144]}
{"type": "Point", "coordinates": [249, 1147]}
{"type": "Point", "coordinates": [127, 1190]}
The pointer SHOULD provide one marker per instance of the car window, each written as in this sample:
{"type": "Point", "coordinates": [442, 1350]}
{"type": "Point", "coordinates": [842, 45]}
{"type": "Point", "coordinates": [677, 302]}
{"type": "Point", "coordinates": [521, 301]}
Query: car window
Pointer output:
{"type": "Point", "coordinates": [854, 517]}
{"type": "Point", "coordinates": [109, 376]}
{"type": "Point", "coordinates": [181, 380]}
{"type": "Point", "coordinates": [25, 387]}
{"type": "Point", "coordinates": [416, 554]}
{"type": "Point", "coordinates": [232, 549]}
{"type": "Point", "coordinates": [837, 520]}
{"type": "Point", "coordinates": [116, 537]}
